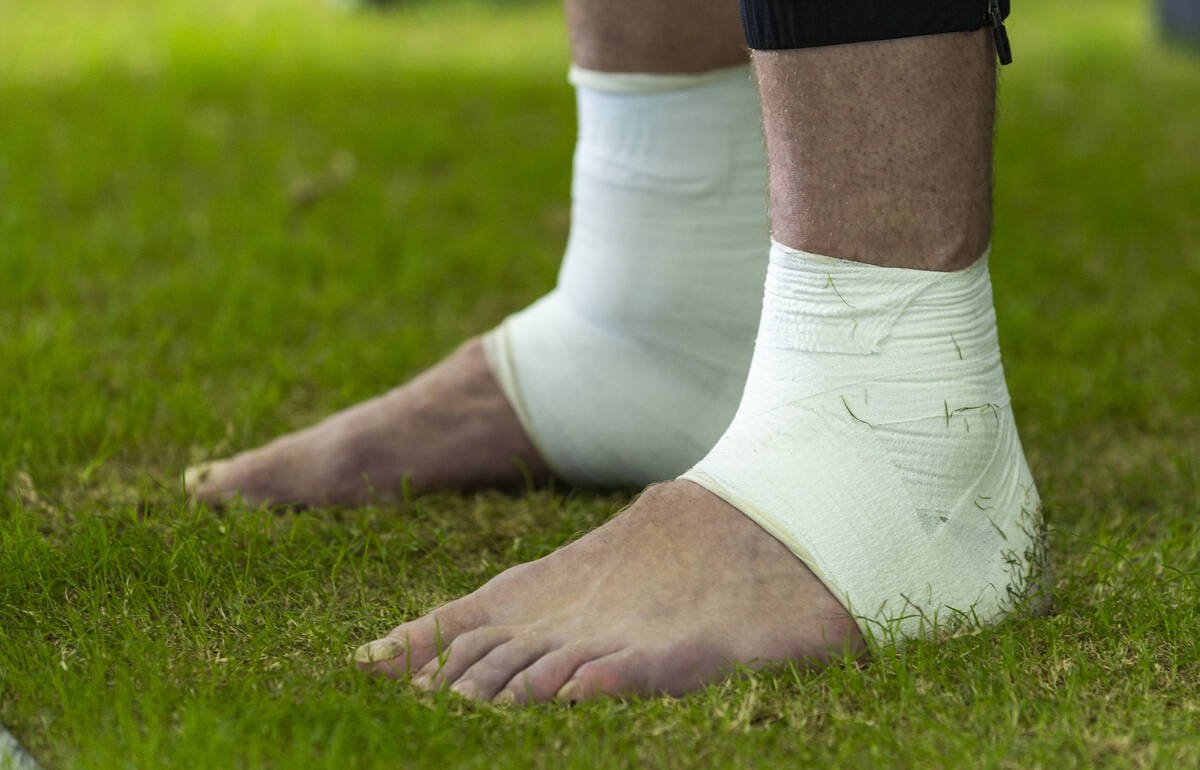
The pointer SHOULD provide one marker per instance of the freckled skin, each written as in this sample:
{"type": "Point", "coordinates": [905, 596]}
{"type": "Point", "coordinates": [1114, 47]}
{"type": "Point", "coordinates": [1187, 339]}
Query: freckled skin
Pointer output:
{"type": "Point", "coordinates": [880, 152]}
{"type": "Point", "coordinates": [664, 36]}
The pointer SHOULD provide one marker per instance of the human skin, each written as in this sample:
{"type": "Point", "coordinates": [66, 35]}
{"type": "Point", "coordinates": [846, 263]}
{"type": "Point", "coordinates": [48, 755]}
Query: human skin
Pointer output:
{"type": "Point", "coordinates": [452, 427]}
{"type": "Point", "coordinates": [880, 152]}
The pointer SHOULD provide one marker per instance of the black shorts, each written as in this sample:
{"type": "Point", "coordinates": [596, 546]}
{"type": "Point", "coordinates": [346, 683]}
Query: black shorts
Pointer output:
{"type": "Point", "coordinates": [773, 24]}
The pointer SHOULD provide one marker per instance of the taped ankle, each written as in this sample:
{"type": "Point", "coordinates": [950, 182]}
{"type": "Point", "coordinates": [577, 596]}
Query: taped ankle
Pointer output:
{"type": "Point", "coordinates": [876, 440]}
{"type": "Point", "coordinates": [630, 369]}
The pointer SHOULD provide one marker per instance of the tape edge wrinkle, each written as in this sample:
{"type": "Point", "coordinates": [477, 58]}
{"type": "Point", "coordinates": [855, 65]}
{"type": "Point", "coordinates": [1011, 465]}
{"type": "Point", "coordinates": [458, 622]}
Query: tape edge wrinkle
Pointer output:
{"type": "Point", "coordinates": [497, 352]}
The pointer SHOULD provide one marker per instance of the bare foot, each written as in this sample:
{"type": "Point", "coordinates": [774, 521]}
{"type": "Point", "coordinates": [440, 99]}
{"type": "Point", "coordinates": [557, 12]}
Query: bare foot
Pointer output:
{"type": "Point", "coordinates": [450, 428]}
{"type": "Point", "coordinates": [664, 598]}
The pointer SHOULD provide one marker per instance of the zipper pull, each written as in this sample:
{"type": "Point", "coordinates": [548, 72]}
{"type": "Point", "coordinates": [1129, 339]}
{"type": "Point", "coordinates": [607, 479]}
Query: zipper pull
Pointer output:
{"type": "Point", "coordinates": [996, 21]}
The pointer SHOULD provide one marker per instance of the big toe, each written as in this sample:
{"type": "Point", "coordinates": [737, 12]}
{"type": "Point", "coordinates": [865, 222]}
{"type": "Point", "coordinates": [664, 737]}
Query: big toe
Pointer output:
{"type": "Point", "coordinates": [266, 476]}
{"type": "Point", "coordinates": [410, 646]}
{"type": "Point", "coordinates": [207, 483]}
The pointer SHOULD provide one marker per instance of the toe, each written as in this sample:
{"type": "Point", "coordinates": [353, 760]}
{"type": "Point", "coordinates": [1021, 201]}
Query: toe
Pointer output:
{"type": "Point", "coordinates": [263, 476]}
{"type": "Point", "coordinates": [203, 481]}
{"type": "Point", "coordinates": [493, 671]}
{"type": "Point", "coordinates": [621, 673]}
{"type": "Point", "coordinates": [411, 646]}
{"type": "Point", "coordinates": [463, 653]}
{"type": "Point", "coordinates": [542, 679]}
{"type": "Point", "coordinates": [195, 476]}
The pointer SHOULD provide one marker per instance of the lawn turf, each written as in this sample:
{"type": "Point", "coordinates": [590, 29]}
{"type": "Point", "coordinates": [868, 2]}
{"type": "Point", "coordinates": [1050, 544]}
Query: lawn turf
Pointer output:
{"type": "Point", "coordinates": [220, 220]}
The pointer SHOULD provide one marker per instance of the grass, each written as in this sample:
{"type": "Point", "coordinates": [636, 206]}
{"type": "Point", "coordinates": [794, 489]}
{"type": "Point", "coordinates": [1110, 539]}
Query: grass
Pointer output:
{"type": "Point", "coordinates": [221, 220]}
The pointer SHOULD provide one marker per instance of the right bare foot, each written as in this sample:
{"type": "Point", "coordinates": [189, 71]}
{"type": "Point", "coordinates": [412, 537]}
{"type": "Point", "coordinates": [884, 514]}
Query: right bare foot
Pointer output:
{"type": "Point", "coordinates": [450, 428]}
{"type": "Point", "coordinates": [664, 598]}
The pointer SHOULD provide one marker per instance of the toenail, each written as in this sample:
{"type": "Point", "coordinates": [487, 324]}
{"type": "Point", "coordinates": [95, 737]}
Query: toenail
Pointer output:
{"type": "Point", "coordinates": [571, 691]}
{"type": "Point", "coordinates": [196, 475]}
{"type": "Point", "coordinates": [465, 689]}
{"type": "Point", "coordinates": [505, 698]}
{"type": "Point", "coordinates": [379, 650]}
{"type": "Point", "coordinates": [422, 681]}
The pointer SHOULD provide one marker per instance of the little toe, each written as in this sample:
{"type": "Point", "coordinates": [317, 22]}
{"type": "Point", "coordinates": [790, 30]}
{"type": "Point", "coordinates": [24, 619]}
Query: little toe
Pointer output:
{"type": "Point", "coordinates": [621, 673]}
{"type": "Point", "coordinates": [203, 481]}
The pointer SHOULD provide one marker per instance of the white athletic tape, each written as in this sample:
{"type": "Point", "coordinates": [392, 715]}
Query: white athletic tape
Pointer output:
{"type": "Point", "coordinates": [630, 369]}
{"type": "Point", "coordinates": [12, 756]}
{"type": "Point", "coordinates": [876, 441]}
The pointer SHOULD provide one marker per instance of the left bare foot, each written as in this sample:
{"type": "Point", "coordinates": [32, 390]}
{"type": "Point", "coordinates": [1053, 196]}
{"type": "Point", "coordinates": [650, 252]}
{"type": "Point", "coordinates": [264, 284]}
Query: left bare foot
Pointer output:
{"type": "Point", "coordinates": [449, 428]}
{"type": "Point", "coordinates": [665, 598]}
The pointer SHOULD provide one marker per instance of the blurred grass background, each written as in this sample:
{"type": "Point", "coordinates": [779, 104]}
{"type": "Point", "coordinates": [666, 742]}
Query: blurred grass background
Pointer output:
{"type": "Point", "coordinates": [222, 220]}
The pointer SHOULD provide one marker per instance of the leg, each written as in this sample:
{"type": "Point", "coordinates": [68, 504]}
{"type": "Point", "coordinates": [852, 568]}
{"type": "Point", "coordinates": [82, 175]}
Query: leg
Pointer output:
{"type": "Point", "coordinates": [879, 163]}
{"type": "Point", "coordinates": [702, 572]}
{"type": "Point", "coordinates": [670, 36]}
{"type": "Point", "coordinates": [622, 375]}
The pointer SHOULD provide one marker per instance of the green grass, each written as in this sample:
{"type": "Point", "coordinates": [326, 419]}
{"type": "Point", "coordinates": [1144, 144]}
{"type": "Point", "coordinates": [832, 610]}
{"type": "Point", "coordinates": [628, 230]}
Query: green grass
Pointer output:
{"type": "Point", "coordinates": [222, 219]}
